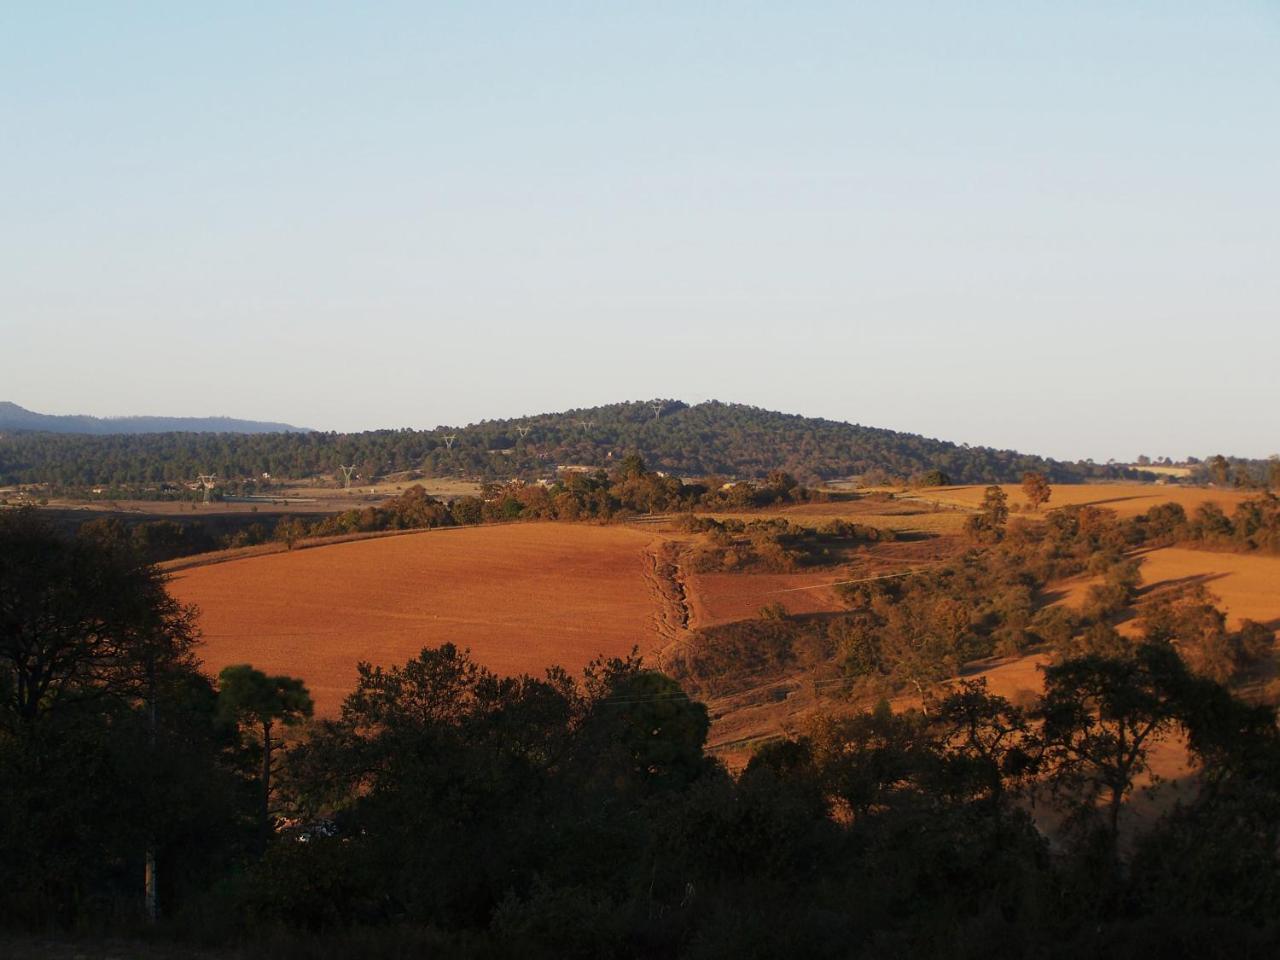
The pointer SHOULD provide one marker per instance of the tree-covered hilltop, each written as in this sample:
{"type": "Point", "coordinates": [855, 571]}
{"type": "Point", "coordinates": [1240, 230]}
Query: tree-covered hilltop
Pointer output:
{"type": "Point", "coordinates": [734, 440]}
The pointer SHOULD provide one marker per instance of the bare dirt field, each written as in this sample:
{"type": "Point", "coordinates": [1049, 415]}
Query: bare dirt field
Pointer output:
{"type": "Point", "coordinates": [277, 546]}
{"type": "Point", "coordinates": [1126, 499]}
{"type": "Point", "coordinates": [522, 596]}
{"type": "Point", "coordinates": [716, 598]}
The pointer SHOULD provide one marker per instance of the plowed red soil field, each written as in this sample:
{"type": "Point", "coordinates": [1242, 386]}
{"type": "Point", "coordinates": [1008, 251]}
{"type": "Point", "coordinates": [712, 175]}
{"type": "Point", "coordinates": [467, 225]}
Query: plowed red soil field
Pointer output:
{"type": "Point", "coordinates": [716, 598]}
{"type": "Point", "coordinates": [522, 596]}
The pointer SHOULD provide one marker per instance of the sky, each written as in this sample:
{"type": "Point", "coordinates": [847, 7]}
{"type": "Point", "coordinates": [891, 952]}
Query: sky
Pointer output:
{"type": "Point", "coordinates": [1047, 226]}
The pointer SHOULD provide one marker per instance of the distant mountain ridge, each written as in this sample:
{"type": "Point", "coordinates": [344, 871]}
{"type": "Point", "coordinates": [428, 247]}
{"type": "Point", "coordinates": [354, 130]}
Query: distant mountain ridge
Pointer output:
{"type": "Point", "coordinates": [712, 438]}
{"type": "Point", "coordinates": [14, 417]}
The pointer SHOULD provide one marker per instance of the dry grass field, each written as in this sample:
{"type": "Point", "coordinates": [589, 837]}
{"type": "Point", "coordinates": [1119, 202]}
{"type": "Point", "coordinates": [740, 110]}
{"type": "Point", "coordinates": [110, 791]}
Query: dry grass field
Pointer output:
{"type": "Point", "coordinates": [901, 516]}
{"type": "Point", "coordinates": [1126, 499]}
{"type": "Point", "coordinates": [1178, 472]}
{"type": "Point", "coordinates": [1246, 584]}
{"type": "Point", "coordinates": [1249, 584]}
{"type": "Point", "coordinates": [521, 596]}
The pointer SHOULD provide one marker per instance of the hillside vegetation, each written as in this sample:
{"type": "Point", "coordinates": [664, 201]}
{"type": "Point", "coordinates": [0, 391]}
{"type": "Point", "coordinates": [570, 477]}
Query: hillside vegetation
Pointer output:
{"type": "Point", "coordinates": [445, 810]}
{"type": "Point", "coordinates": [710, 438]}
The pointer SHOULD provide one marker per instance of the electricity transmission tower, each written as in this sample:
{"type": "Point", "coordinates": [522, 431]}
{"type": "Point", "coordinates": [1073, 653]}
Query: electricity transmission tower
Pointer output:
{"type": "Point", "coordinates": [657, 409]}
{"type": "Point", "coordinates": [206, 481]}
{"type": "Point", "coordinates": [448, 441]}
{"type": "Point", "coordinates": [523, 431]}
{"type": "Point", "coordinates": [346, 473]}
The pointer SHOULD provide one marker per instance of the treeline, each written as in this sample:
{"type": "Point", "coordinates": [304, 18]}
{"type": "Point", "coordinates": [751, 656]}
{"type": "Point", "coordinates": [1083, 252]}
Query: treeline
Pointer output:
{"type": "Point", "coordinates": [775, 545]}
{"type": "Point", "coordinates": [1254, 524]}
{"type": "Point", "coordinates": [451, 812]}
{"type": "Point", "coordinates": [710, 438]}
{"type": "Point", "coordinates": [77, 461]}
{"type": "Point", "coordinates": [1237, 472]}
{"type": "Point", "coordinates": [628, 490]}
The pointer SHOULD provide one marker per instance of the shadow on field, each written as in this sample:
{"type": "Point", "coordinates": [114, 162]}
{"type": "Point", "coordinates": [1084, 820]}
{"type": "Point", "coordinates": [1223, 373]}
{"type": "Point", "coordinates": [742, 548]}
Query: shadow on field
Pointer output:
{"type": "Point", "coordinates": [1177, 584]}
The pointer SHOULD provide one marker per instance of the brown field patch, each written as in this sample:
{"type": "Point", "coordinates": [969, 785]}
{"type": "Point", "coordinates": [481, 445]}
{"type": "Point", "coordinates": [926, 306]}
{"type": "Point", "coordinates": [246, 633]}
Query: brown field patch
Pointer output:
{"type": "Point", "coordinates": [1126, 499]}
{"type": "Point", "coordinates": [521, 596]}
{"type": "Point", "coordinates": [716, 598]}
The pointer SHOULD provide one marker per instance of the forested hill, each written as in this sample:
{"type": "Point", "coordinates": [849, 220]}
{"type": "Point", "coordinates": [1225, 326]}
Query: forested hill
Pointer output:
{"type": "Point", "coordinates": [732, 440]}
{"type": "Point", "coordinates": [14, 417]}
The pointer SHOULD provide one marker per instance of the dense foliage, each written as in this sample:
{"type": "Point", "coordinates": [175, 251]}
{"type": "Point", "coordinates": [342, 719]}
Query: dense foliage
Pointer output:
{"type": "Point", "coordinates": [1254, 524]}
{"type": "Point", "coordinates": [710, 438]}
{"type": "Point", "coordinates": [1237, 471]}
{"type": "Point", "coordinates": [109, 745]}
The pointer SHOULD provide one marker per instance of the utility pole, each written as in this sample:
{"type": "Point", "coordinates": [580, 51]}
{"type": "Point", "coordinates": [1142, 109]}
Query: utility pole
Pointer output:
{"type": "Point", "coordinates": [150, 904]}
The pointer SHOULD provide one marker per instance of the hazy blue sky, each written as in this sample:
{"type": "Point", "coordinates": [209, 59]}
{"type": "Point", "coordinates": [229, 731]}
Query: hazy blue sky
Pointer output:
{"type": "Point", "coordinates": [1052, 226]}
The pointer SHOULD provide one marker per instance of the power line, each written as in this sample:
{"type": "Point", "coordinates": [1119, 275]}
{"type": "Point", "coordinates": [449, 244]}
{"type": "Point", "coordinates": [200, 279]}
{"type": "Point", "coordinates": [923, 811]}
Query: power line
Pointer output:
{"type": "Point", "coordinates": [841, 583]}
{"type": "Point", "coordinates": [207, 481]}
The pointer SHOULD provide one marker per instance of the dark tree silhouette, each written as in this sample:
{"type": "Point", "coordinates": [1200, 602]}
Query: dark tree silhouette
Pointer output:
{"type": "Point", "coordinates": [79, 619]}
{"type": "Point", "coordinates": [252, 698]}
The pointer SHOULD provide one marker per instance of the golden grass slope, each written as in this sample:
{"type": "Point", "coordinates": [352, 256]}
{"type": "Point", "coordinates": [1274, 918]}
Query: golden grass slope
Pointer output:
{"type": "Point", "coordinates": [1246, 584]}
{"type": "Point", "coordinates": [903, 516]}
{"type": "Point", "coordinates": [521, 596]}
{"type": "Point", "coordinates": [1126, 499]}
